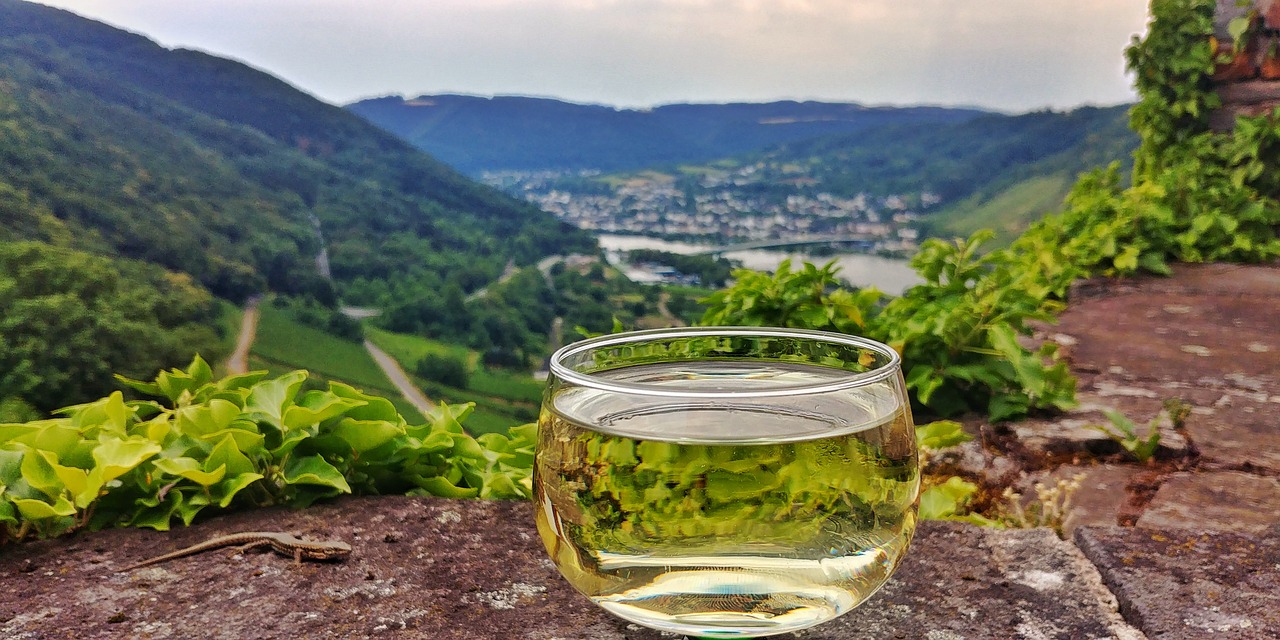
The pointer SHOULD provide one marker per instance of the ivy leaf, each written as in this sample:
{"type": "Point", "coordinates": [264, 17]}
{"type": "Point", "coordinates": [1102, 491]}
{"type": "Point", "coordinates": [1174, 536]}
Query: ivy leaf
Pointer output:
{"type": "Point", "coordinates": [228, 488]}
{"type": "Point", "coordinates": [199, 371]}
{"type": "Point", "coordinates": [118, 457]}
{"type": "Point", "coordinates": [315, 470]}
{"type": "Point", "coordinates": [438, 486]}
{"type": "Point", "coordinates": [204, 419]}
{"type": "Point", "coordinates": [945, 500]}
{"type": "Point", "coordinates": [374, 408]}
{"type": "Point", "coordinates": [8, 515]}
{"type": "Point", "coordinates": [10, 466]}
{"type": "Point", "coordinates": [316, 407]}
{"type": "Point", "coordinates": [365, 435]}
{"type": "Point", "coordinates": [157, 513]}
{"type": "Point", "coordinates": [941, 434]}
{"type": "Point", "coordinates": [244, 439]}
{"type": "Point", "coordinates": [37, 510]}
{"type": "Point", "coordinates": [271, 398]}
{"type": "Point", "coordinates": [191, 469]}
{"type": "Point", "coordinates": [227, 453]}
{"type": "Point", "coordinates": [40, 475]}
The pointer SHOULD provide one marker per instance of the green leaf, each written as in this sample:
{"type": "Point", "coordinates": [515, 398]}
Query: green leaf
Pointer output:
{"type": "Point", "coordinates": [925, 381]}
{"type": "Point", "coordinates": [39, 510]}
{"type": "Point", "coordinates": [374, 408]}
{"type": "Point", "coordinates": [315, 470]}
{"type": "Point", "coordinates": [245, 439]}
{"type": "Point", "coordinates": [203, 419]}
{"type": "Point", "coordinates": [55, 436]}
{"type": "Point", "coordinates": [8, 515]}
{"type": "Point", "coordinates": [228, 488]}
{"type": "Point", "coordinates": [40, 474]}
{"type": "Point", "coordinates": [365, 435]}
{"type": "Point", "coordinates": [941, 434]}
{"type": "Point", "coordinates": [156, 513]}
{"type": "Point", "coordinates": [316, 407]}
{"type": "Point", "coordinates": [227, 454]}
{"type": "Point", "coordinates": [271, 398]}
{"type": "Point", "coordinates": [191, 469]}
{"type": "Point", "coordinates": [437, 486]}
{"type": "Point", "coordinates": [945, 500]}
{"type": "Point", "coordinates": [10, 465]}
{"type": "Point", "coordinates": [199, 371]}
{"type": "Point", "coordinates": [118, 457]}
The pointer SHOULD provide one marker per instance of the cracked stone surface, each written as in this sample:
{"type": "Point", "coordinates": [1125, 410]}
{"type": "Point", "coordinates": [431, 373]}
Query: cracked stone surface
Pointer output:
{"type": "Point", "coordinates": [467, 570]}
{"type": "Point", "coordinates": [1184, 584]}
{"type": "Point", "coordinates": [1207, 336]}
{"type": "Point", "coordinates": [1216, 501]}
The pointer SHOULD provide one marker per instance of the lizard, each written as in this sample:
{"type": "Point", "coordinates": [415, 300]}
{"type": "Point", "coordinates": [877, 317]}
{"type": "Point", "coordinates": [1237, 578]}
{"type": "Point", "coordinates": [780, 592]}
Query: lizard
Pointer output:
{"type": "Point", "coordinates": [281, 543]}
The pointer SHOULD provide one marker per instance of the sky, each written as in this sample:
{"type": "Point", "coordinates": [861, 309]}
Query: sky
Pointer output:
{"type": "Point", "coordinates": [1010, 55]}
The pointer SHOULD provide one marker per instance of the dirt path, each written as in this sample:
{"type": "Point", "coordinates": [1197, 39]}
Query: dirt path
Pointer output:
{"type": "Point", "coordinates": [666, 314]}
{"type": "Point", "coordinates": [400, 379]}
{"type": "Point", "coordinates": [238, 362]}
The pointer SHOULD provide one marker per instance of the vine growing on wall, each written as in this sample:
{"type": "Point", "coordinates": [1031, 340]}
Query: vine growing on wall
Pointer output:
{"type": "Point", "coordinates": [1195, 195]}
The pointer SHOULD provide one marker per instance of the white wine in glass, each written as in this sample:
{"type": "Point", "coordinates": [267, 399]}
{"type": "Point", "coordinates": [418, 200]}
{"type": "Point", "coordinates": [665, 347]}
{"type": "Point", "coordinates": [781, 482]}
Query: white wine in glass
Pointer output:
{"type": "Point", "coordinates": [726, 482]}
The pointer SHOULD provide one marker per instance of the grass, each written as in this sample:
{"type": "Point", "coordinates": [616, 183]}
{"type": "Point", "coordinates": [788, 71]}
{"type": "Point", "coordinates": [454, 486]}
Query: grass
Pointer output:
{"type": "Point", "coordinates": [283, 342]}
{"type": "Point", "coordinates": [508, 386]}
{"type": "Point", "coordinates": [1010, 211]}
{"type": "Point", "coordinates": [409, 349]}
{"type": "Point", "coordinates": [503, 399]}
{"type": "Point", "coordinates": [275, 369]}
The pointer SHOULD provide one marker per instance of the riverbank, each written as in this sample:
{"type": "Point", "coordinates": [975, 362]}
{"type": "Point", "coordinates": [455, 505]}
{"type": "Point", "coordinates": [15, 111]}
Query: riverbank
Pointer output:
{"type": "Point", "coordinates": [889, 275]}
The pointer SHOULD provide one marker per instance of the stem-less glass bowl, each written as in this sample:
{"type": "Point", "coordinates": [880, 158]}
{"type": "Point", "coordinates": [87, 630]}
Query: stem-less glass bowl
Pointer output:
{"type": "Point", "coordinates": [726, 481]}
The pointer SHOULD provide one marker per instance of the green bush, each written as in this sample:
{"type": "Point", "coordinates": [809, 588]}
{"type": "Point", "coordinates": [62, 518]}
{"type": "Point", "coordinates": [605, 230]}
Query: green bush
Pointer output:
{"type": "Point", "coordinates": [247, 440]}
{"type": "Point", "coordinates": [1196, 195]}
{"type": "Point", "coordinates": [444, 369]}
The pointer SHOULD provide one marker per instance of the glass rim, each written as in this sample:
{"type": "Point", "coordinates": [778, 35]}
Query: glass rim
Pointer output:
{"type": "Point", "coordinates": [851, 380]}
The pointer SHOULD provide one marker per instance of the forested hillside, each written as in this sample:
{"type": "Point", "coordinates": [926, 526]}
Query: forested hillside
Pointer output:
{"type": "Point", "coordinates": [227, 178]}
{"type": "Point", "coordinates": [476, 134]}
{"type": "Point", "coordinates": [995, 171]}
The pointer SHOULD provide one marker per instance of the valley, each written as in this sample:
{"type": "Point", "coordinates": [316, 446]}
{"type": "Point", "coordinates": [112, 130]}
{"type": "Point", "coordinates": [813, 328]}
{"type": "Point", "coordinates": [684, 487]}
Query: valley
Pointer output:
{"type": "Point", "coordinates": [226, 184]}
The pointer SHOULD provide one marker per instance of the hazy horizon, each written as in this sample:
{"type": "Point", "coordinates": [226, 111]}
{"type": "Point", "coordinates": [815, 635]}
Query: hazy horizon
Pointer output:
{"type": "Point", "coordinates": [1004, 55]}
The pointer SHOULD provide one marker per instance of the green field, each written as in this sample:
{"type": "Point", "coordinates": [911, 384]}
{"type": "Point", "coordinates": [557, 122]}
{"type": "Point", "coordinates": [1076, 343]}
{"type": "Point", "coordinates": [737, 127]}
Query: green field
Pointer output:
{"type": "Point", "coordinates": [1009, 212]}
{"type": "Point", "coordinates": [503, 399]}
{"type": "Point", "coordinates": [284, 345]}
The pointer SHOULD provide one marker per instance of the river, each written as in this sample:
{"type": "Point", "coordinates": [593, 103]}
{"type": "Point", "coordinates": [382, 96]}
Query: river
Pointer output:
{"type": "Point", "coordinates": [886, 274]}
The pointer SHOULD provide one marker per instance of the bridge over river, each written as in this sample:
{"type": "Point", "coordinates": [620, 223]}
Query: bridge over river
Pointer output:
{"type": "Point", "coordinates": [864, 240]}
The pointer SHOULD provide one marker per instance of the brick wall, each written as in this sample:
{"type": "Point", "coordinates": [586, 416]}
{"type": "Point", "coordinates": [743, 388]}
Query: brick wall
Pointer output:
{"type": "Point", "coordinates": [1249, 84]}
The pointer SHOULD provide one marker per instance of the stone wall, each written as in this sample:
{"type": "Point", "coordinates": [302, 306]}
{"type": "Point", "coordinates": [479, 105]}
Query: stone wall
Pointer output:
{"type": "Point", "coordinates": [1249, 83]}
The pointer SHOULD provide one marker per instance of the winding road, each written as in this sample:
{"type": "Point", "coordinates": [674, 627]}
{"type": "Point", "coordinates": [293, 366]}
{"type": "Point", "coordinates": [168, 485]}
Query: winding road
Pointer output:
{"type": "Point", "coordinates": [238, 362]}
{"type": "Point", "coordinates": [400, 379]}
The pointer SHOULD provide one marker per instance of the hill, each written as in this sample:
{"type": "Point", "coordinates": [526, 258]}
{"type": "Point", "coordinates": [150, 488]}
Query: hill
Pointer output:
{"type": "Point", "coordinates": [113, 146]}
{"type": "Point", "coordinates": [476, 134]}
{"type": "Point", "coordinates": [994, 171]}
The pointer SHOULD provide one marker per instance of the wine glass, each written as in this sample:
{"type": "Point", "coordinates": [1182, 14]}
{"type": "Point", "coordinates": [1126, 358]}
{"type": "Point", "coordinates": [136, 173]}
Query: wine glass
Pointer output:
{"type": "Point", "coordinates": [726, 481]}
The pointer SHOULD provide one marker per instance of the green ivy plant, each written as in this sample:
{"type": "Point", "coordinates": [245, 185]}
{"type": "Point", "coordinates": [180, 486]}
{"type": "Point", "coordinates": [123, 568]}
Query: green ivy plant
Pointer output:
{"type": "Point", "coordinates": [245, 440]}
{"type": "Point", "coordinates": [957, 332]}
{"type": "Point", "coordinates": [1195, 195]}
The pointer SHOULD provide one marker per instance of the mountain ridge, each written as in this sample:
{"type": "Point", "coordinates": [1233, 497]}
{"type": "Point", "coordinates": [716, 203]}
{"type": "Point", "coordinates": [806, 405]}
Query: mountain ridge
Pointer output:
{"type": "Point", "coordinates": [160, 165]}
{"type": "Point", "coordinates": [479, 133]}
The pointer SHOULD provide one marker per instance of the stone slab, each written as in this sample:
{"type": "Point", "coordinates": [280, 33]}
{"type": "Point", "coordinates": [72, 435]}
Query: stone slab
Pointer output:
{"type": "Point", "coordinates": [1075, 432]}
{"type": "Point", "coordinates": [1219, 319]}
{"type": "Point", "coordinates": [475, 570]}
{"type": "Point", "coordinates": [1099, 500]}
{"type": "Point", "coordinates": [1188, 585]}
{"type": "Point", "coordinates": [1215, 501]}
{"type": "Point", "coordinates": [1240, 429]}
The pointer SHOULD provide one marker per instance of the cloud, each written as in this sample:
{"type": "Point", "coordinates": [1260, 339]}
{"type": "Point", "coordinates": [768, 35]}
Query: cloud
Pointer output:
{"type": "Point", "coordinates": [1013, 54]}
